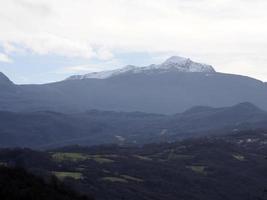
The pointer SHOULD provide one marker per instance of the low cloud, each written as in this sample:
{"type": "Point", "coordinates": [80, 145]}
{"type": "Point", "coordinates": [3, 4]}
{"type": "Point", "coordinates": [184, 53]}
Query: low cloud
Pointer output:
{"type": "Point", "coordinates": [99, 29]}
{"type": "Point", "coordinates": [93, 67]}
{"type": "Point", "coordinates": [5, 58]}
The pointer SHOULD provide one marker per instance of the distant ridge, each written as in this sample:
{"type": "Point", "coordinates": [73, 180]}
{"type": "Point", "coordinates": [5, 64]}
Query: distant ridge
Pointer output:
{"type": "Point", "coordinates": [51, 129]}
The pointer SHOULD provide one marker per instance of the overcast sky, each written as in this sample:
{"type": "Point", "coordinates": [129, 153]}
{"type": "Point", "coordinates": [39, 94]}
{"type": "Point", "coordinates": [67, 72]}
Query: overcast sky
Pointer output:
{"type": "Point", "coordinates": [48, 40]}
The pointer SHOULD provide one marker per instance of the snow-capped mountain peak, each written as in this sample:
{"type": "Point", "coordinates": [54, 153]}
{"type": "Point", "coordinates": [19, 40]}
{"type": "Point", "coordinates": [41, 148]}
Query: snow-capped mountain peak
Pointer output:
{"type": "Point", "coordinates": [176, 60]}
{"type": "Point", "coordinates": [186, 65]}
{"type": "Point", "coordinates": [173, 64]}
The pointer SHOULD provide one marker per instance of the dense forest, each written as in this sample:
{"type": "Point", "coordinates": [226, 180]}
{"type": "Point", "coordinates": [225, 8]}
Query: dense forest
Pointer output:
{"type": "Point", "coordinates": [18, 184]}
{"type": "Point", "coordinates": [229, 167]}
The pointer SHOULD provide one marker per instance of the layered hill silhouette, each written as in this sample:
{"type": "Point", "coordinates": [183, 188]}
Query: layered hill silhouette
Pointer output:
{"type": "Point", "coordinates": [46, 129]}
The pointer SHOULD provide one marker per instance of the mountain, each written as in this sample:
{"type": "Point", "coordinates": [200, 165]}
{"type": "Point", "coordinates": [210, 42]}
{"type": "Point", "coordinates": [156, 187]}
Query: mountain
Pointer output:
{"type": "Point", "coordinates": [4, 80]}
{"type": "Point", "coordinates": [206, 120]}
{"type": "Point", "coordinates": [231, 167]}
{"type": "Point", "coordinates": [173, 64]}
{"type": "Point", "coordinates": [46, 129]}
{"type": "Point", "coordinates": [171, 87]}
{"type": "Point", "coordinates": [5, 84]}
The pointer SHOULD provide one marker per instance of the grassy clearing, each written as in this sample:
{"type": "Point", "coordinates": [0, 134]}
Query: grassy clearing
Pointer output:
{"type": "Point", "coordinates": [106, 171]}
{"type": "Point", "coordinates": [63, 175]}
{"type": "Point", "coordinates": [78, 157]}
{"type": "Point", "coordinates": [143, 157]}
{"type": "Point", "coordinates": [109, 156]}
{"type": "Point", "coordinates": [198, 169]}
{"type": "Point", "coordinates": [103, 160]}
{"type": "Point", "coordinates": [239, 157]}
{"type": "Point", "coordinates": [80, 169]}
{"type": "Point", "coordinates": [114, 179]}
{"type": "Point", "coordinates": [103, 156]}
{"type": "Point", "coordinates": [3, 164]}
{"type": "Point", "coordinates": [73, 157]}
{"type": "Point", "coordinates": [131, 178]}
{"type": "Point", "coordinates": [179, 156]}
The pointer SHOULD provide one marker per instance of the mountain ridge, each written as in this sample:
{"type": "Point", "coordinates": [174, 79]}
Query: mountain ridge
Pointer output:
{"type": "Point", "coordinates": [174, 63]}
{"type": "Point", "coordinates": [152, 91]}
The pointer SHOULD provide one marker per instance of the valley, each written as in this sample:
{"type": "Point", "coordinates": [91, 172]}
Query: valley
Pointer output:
{"type": "Point", "coordinates": [231, 167]}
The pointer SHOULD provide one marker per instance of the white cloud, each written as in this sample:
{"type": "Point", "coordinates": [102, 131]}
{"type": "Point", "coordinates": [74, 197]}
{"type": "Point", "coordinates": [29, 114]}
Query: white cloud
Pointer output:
{"type": "Point", "coordinates": [4, 58]}
{"type": "Point", "coordinates": [87, 68]}
{"type": "Point", "coordinates": [218, 32]}
{"type": "Point", "coordinates": [104, 54]}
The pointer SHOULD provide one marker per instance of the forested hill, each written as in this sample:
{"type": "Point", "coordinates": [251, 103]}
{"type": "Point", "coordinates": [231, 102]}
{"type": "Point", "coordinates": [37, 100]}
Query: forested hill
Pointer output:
{"type": "Point", "coordinates": [231, 167]}
{"type": "Point", "coordinates": [18, 184]}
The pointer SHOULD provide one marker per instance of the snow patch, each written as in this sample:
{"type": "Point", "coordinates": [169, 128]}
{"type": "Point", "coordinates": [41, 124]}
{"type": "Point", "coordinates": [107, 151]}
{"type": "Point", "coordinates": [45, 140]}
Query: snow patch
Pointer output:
{"type": "Point", "coordinates": [173, 64]}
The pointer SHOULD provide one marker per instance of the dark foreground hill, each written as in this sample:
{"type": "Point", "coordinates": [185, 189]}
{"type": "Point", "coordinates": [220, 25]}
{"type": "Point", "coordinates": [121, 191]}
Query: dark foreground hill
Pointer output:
{"type": "Point", "coordinates": [18, 184]}
{"type": "Point", "coordinates": [51, 129]}
{"type": "Point", "coordinates": [230, 167]}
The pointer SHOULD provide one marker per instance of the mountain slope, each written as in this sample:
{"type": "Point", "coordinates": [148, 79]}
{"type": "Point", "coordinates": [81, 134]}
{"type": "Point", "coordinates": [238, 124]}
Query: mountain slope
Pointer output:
{"type": "Point", "coordinates": [5, 84]}
{"type": "Point", "coordinates": [166, 93]}
{"type": "Point", "coordinates": [174, 86]}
